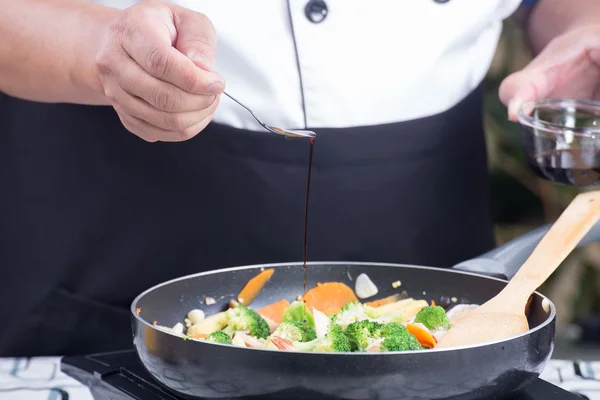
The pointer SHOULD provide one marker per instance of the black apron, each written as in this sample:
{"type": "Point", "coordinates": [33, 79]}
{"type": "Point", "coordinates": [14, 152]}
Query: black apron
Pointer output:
{"type": "Point", "coordinates": [91, 215]}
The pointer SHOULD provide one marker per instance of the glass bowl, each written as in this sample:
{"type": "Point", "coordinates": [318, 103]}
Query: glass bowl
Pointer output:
{"type": "Point", "coordinates": [561, 138]}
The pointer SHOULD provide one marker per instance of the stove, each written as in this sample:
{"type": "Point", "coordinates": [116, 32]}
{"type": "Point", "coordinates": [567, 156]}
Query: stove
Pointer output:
{"type": "Point", "coordinates": [121, 376]}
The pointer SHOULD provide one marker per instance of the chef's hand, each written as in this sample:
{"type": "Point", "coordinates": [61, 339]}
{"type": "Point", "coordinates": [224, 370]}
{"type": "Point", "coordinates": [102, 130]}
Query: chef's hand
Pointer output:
{"type": "Point", "coordinates": [569, 66]}
{"type": "Point", "coordinates": [155, 64]}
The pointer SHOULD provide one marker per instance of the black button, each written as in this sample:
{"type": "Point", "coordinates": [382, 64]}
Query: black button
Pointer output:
{"type": "Point", "coordinates": [316, 11]}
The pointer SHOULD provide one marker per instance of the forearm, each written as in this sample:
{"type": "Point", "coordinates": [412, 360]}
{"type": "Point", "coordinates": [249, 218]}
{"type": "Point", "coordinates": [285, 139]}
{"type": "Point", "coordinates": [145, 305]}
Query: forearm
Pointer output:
{"type": "Point", "coordinates": [47, 49]}
{"type": "Point", "coordinates": [550, 18]}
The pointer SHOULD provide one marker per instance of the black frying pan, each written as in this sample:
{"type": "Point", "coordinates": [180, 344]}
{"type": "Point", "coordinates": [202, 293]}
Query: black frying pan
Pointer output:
{"type": "Point", "coordinates": [196, 369]}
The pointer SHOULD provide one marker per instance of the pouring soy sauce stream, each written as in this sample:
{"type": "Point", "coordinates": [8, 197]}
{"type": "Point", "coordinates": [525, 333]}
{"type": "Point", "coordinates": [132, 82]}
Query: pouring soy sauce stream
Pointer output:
{"type": "Point", "coordinates": [310, 158]}
{"type": "Point", "coordinates": [289, 134]}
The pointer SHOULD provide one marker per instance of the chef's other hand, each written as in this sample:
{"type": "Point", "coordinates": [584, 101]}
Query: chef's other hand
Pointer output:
{"type": "Point", "coordinates": [569, 66]}
{"type": "Point", "coordinates": [155, 64]}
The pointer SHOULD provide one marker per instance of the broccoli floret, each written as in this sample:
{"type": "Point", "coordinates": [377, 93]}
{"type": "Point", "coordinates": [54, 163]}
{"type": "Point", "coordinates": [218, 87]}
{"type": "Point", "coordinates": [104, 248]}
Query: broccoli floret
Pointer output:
{"type": "Point", "coordinates": [397, 338]}
{"type": "Point", "coordinates": [295, 332]}
{"type": "Point", "coordinates": [364, 334]}
{"type": "Point", "coordinates": [433, 317]}
{"type": "Point", "coordinates": [287, 331]}
{"type": "Point", "coordinates": [388, 337]}
{"type": "Point", "coordinates": [242, 318]}
{"type": "Point", "coordinates": [298, 312]}
{"type": "Point", "coordinates": [219, 337]}
{"type": "Point", "coordinates": [308, 332]}
{"type": "Point", "coordinates": [352, 312]}
{"type": "Point", "coordinates": [334, 341]}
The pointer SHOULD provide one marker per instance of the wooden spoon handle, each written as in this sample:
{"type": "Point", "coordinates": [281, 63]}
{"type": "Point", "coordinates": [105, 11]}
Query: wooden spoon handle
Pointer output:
{"type": "Point", "coordinates": [564, 235]}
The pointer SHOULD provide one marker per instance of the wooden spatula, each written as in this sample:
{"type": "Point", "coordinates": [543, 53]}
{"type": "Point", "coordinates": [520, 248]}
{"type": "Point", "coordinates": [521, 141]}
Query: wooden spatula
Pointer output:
{"type": "Point", "coordinates": [504, 315]}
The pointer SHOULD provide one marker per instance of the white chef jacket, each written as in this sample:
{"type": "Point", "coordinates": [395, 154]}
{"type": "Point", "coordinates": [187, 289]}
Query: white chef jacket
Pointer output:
{"type": "Point", "coordinates": [366, 63]}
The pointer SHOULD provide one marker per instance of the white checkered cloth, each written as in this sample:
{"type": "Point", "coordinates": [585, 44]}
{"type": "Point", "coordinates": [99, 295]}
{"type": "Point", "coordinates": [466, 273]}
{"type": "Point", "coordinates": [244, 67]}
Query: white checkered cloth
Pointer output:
{"type": "Point", "coordinates": [41, 379]}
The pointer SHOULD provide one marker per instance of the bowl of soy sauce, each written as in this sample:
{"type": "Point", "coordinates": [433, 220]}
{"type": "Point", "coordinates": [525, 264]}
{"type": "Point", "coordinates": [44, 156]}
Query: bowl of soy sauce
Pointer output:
{"type": "Point", "coordinates": [561, 138]}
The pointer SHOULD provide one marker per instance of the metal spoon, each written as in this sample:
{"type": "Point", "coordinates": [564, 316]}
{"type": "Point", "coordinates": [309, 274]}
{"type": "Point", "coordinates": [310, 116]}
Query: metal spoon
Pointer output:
{"type": "Point", "coordinates": [287, 133]}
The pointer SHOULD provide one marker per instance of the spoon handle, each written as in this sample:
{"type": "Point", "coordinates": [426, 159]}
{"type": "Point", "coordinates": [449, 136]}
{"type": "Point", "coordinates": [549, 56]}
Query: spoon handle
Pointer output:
{"type": "Point", "coordinates": [564, 235]}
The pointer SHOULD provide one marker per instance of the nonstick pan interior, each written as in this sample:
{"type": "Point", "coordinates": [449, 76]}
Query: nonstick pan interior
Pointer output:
{"type": "Point", "coordinates": [196, 368]}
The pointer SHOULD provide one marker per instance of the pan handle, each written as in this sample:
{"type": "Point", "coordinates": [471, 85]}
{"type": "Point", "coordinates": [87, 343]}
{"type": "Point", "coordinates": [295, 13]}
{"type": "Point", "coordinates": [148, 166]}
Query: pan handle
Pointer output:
{"type": "Point", "coordinates": [504, 261]}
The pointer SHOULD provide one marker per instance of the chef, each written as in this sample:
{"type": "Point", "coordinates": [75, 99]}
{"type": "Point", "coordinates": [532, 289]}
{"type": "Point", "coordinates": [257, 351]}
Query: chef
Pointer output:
{"type": "Point", "coordinates": [122, 166]}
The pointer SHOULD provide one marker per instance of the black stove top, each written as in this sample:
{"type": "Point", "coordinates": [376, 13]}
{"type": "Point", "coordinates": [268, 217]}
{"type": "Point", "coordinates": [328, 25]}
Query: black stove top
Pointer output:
{"type": "Point", "coordinates": [121, 376]}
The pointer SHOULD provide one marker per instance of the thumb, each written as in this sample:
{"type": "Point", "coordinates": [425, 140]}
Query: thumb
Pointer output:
{"type": "Point", "coordinates": [523, 86]}
{"type": "Point", "coordinates": [196, 37]}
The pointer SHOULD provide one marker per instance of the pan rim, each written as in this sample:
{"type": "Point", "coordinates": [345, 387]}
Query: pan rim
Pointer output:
{"type": "Point", "coordinates": [551, 317]}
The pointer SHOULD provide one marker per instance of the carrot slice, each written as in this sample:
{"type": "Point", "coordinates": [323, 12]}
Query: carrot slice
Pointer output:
{"type": "Point", "coordinates": [199, 336]}
{"type": "Point", "coordinates": [329, 297]}
{"type": "Point", "coordinates": [274, 311]}
{"type": "Point", "coordinates": [423, 335]}
{"type": "Point", "coordinates": [254, 286]}
{"type": "Point", "coordinates": [386, 300]}
{"type": "Point", "coordinates": [432, 303]}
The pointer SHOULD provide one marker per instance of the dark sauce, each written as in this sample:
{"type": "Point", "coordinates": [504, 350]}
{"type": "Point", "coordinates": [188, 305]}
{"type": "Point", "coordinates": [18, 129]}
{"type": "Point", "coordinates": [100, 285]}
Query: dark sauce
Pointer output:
{"type": "Point", "coordinates": [573, 167]}
{"type": "Point", "coordinates": [310, 157]}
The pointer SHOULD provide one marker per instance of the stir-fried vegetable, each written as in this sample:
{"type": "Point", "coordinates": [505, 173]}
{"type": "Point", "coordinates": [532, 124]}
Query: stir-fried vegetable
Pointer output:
{"type": "Point", "coordinates": [298, 312]}
{"type": "Point", "coordinates": [219, 337]}
{"type": "Point", "coordinates": [295, 332]}
{"type": "Point", "coordinates": [329, 297]}
{"type": "Point", "coordinates": [335, 340]}
{"type": "Point", "coordinates": [374, 336]}
{"type": "Point", "coordinates": [352, 312]}
{"type": "Point", "coordinates": [243, 318]}
{"type": "Point", "coordinates": [328, 318]}
{"type": "Point", "coordinates": [433, 317]}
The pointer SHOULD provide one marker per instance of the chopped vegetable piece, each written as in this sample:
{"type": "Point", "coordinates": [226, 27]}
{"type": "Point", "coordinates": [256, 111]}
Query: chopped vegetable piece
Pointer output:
{"type": "Point", "coordinates": [238, 340]}
{"type": "Point", "coordinates": [546, 305]}
{"type": "Point", "coordinates": [287, 331]}
{"type": "Point", "coordinates": [373, 336]}
{"type": "Point", "coordinates": [396, 284]}
{"type": "Point", "coordinates": [364, 334]}
{"type": "Point", "coordinates": [209, 300]}
{"type": "Point", "coordinates": [298, 312]}
{"type": "Point", "coordinates": [308, 331]}
{"type": "Point", "coordinates": [352, 312]}
{"type": "Point", "coordinates": [364, 287]}
{"type": "Point", "coordinates": [272, 324]}
{"type": "Point", "coordinates": [322, 323]}
{"type": "Point", "coordinates": [433, 317]}
{"type": "Point", "coordinates": [138, 310]}
{"type": "Point", "coordinates": [214, 323]}
{"type": "Point", "coordinates": [219, 337]}
{"type": "Point", "coordinates": [196, 316]}
{"type": "Point", "coordinates": [398, 338]}
{"type": "Point", "coordinates": [422, 334]}
{"type": "Point", "coordinates": [329, 297]}
{"type": "Point", "coordinates": [254, 286]}
{"type": "Point", "coordinates": [177, 328]}
{"type": "Point", "coordinates": [295, 332]}
{"type": "Point", "coordinates": [275, 311]}
{"type": "Point", "coordinates": [334, 341]}
{"type": "Point", "coordinates": [386, 300]}
{"type": "Point", "coordinates": [243, 318]}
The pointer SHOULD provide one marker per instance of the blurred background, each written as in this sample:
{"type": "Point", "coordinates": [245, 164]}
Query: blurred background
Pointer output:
{"type": "Point", "coordinates": [522, 202]}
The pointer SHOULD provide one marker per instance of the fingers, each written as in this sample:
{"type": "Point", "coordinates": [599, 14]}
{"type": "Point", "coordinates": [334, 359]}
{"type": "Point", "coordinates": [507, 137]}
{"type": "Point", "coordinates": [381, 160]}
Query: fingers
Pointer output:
{"type": "Point", "coordinates": [153, 133]}
{"type": "Point", "coordinates": [161, 95]}
{"type": "Point", "coordinates": [196, 37]}
{"type": "Point", "coordinates": [147, 41]}
{"type": "Point", "coordinates": [523, 86]}
{"type": "Point", "coordinates": [171, 121]}
{"type": "Point", "coordinates": [160, 92]}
